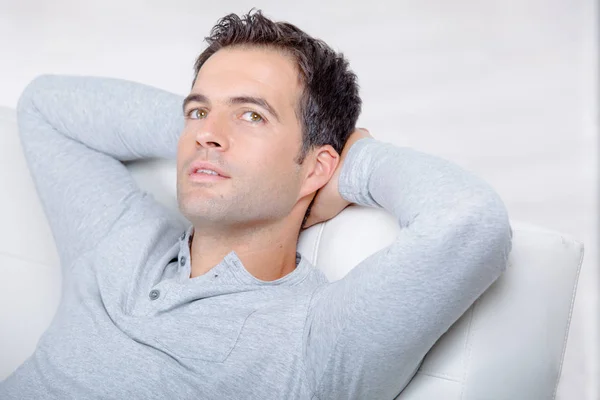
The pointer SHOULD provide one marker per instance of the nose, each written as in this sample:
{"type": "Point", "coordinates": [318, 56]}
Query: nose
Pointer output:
{"type": "Point", "coordinates": [212, 134]}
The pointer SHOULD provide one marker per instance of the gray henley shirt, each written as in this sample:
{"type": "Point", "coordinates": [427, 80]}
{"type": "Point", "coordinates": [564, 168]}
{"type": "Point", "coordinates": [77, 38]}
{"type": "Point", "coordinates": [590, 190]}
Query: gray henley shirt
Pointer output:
{"type": "Point", "coordinates": [132, 324]}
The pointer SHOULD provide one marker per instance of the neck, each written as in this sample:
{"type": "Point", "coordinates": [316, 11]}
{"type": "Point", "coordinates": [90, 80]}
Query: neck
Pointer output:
{"type": "Point", "coordinates": [268, 253]}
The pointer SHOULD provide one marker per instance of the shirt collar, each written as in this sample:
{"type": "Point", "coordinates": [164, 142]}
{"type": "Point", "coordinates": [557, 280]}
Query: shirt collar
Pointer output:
{"type": "Point", "coordinates": [232, 261]}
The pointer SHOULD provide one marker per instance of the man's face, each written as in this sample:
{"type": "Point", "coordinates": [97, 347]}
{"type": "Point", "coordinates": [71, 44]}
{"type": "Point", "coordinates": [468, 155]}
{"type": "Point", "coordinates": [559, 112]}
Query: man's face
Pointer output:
{"type": "Point", "coordinates": [242, 120]}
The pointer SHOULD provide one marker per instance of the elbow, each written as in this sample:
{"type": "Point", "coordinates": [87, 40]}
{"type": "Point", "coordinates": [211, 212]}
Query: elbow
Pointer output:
{"type": "Point", "coordinates": [26, 104]}
{"type": "Point", "coordinates": [30, 106]}
{"type": "Point", "coordinates": [494, 229]}
{"type": "Point", "coordinates": [483, 235]}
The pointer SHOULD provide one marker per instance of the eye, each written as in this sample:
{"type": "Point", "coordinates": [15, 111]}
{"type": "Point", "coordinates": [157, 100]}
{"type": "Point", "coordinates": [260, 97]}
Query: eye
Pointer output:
{"type": "Point", "coordinates": [196, 113]}
{"type": "Point", "coordinates": [252, 116]}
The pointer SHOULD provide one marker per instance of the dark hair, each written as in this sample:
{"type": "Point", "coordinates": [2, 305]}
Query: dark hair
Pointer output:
{"type": "Point", "coordinates": [329, 105]}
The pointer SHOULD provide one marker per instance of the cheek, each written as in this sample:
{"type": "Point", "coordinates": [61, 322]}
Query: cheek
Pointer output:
{"type": "Point", "coordinates": [276, 160]}
{"type": "Point", "coordinates": [284, 173]}
{"type": "Point", "coordinates": [266, 168]}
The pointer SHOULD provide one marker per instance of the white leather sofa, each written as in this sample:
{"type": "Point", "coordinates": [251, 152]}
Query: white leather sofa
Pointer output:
{"type": "Point", "coordinates": [509, 345]}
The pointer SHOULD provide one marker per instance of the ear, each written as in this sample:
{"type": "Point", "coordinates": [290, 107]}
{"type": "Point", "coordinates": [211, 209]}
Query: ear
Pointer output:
{"type": "Point", "coordinates": [321, 164]}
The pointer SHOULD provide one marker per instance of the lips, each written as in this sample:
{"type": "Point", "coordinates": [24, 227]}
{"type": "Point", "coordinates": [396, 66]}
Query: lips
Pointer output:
{"type": "Point", "coordinates": [206, 165]}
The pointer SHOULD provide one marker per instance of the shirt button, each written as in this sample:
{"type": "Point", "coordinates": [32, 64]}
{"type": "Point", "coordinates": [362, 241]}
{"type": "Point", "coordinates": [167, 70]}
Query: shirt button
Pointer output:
{"type": "Point", "coordinates": [182, 236]}
{"type": "Point", "coordinates": [154, 294]}
{"type": "Point", "coordinates": [182, 261]}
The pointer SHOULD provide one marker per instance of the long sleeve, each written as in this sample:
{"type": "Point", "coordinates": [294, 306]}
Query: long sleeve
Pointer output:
{"type": "Point", "coordinates": [366, 334]}
{"type": "Point", "coordinates": [75, 132]}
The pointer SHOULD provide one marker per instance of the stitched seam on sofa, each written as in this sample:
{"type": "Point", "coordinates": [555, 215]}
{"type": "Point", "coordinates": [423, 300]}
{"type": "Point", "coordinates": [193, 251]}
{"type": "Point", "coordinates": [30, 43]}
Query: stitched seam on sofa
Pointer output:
{"type": "Point", "coordinates": [441, 376]}
{"type": "Point", "coordinates": [468, 350]}
{"type": "Point", "coordinates": [548, 232]}
{"type": "Point", "coordinates": [562, 357]}
{"type": "Point", "coordinates": [317, 244]}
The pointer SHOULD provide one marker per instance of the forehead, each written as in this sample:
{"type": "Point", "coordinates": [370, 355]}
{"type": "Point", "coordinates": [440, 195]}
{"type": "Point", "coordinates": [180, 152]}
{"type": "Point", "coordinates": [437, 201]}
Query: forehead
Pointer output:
{"type": "Point", "coordinates": [261, 72]}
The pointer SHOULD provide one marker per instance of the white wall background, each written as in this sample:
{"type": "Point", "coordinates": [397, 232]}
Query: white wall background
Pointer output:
{"type": "Point", "coordinates": [506, 89]}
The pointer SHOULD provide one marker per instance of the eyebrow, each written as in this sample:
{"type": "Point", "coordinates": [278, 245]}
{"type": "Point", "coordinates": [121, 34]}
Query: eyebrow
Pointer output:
{"type": "Point", "coordinates": [259, 101]}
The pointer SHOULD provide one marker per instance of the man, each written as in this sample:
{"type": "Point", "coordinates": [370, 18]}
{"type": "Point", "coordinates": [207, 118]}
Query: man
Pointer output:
{"type": "Point", "coordinates": [224, 307]}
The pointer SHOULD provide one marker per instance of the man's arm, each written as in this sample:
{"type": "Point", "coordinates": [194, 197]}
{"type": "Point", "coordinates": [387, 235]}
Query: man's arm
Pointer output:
{"type": "Point", "coordinates": [75, 131]}
{"type": "Point", "coordinates": [367, 333]}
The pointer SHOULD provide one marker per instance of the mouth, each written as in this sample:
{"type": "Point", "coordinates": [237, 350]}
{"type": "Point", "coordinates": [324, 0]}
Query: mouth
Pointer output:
{"type": "Point", "coordinates": [206, 177]}
{"type": "Point", "coordinates": [204, 171]}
